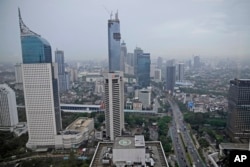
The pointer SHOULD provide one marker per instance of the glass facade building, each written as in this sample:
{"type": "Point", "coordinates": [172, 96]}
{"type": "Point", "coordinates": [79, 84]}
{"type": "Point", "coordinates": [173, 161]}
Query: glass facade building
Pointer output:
{"type": "Point", "coordinates": [59, 59]}
{"type": "Point", "coordinates": [137, 51]}
{"type": "Point", "coordinates": [114, 47]}
{"type": "Point", "coordinates": [143, 69]}
{"type": "Point", "coordinates": [238, 122]}
{"type": "Point", "coordinates": [170, 78]}
{"type": "Point", "coordinates": [35, 49]}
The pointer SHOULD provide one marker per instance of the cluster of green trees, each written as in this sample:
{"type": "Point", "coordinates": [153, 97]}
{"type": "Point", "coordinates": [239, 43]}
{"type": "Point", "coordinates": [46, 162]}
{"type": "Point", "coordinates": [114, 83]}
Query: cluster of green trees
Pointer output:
{"type": "Point", "coordinates": [11, 145]}
{"type": "Point", "coordinates": [202, 91]}
{"type": "Point", "coordinates": [133, 120]}
{"type": "Point", "coordinates": [56, 162]}
{"type": "Point", "coordinates": [204, 118]}
{"type": "Point", "coordinates": [163, 132]}
{"type": "Point", "coordinates": [214, 135]}
{"type": "Point", "coordinates": [203, 142]}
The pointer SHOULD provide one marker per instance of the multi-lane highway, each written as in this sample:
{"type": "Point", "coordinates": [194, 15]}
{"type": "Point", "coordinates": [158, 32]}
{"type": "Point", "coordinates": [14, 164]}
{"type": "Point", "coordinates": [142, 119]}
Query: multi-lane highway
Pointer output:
{"type": "Point", "coordinates": [179, 132]}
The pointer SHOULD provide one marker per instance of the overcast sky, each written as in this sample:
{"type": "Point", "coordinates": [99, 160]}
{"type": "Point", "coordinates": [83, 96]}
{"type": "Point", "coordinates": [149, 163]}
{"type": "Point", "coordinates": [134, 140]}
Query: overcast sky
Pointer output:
{"type": "Point", "coordinates": [168, 28]}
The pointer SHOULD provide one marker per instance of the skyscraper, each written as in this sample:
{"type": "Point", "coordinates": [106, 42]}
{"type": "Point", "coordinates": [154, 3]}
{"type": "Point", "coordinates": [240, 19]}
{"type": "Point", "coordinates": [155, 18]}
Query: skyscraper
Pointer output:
{"type": "Point", "coordinates": [18, 73]}
{"type": "Point", "coordinates": [197, 62]}
{"type": "Point", "coordinates": [114, 48]}
{"type": "Point", "coordinates": [137, 52]}
{"type": "Point", "coordinates": [180, 72]}
{"type": "Point", "coordinates": [123, 56]}
{"type": "Point", "coordinates": [8, 109]}
{"type": "Point", "coordinates": [159, 62]}
{"type": "Point", "coordinates": [40, 82]}
{"type": "Point", "coordinates": [114, 103]}
{"type": "Point", "coordinates": [170, 78]}
{"type": "Point", "coordinates": [59, 59]}
{"type": "Point", "coordinates": [157, 76]}
{"type": "Point", "coordinates": [238, 122]}
{"type": "Point", "coordinates": [143, 69]}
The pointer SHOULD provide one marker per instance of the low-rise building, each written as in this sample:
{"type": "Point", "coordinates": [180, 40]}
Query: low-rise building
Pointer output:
{"type": "Point", "coordinates": [77, 132]}
{"type": "Point", "coordinates": [129, 151]}
{"type": "Point", "coordinates": [137, 105]}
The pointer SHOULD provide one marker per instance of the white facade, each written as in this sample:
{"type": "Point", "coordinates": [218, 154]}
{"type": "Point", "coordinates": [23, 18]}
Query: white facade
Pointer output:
{"type": "Point", "coordinates": [99, 87]}
{"type": "Point", "coordinates": [129, 150]}
{"type": "Point", "coordinates": [39, 103]}
{"type": "Point", "coordinates": [77, 132]}
{"type": "Point", "coordinates": [73, 75]}
{"type": "Point", "coordinates": [144, 96]}
{"type": "Point", "coordinates": [157, 76]}
{"type": "Point", "coordinates": [8, 108]}
{"type": "Point", "coordinates": [114, 103]}
{"type": "Point", "coordinates": [129, 69]}
{"type": "Point", "coordinates": [18, 73]}
{"type": "Point", "coordinates": [152, 70]}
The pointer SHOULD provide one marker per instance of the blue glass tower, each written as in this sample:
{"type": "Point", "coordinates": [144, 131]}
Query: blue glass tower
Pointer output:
{"type": "Point", "coordinates": [170, 78]}
{"type": "Point", "coordinates": [143, 69]}
{"type": "Point", "coordinates": [114, 47]}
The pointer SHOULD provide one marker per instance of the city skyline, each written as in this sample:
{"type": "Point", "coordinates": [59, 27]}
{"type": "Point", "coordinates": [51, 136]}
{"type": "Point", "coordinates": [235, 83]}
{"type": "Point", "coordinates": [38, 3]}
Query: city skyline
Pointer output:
{"type": "Point", "coordinates": [203, 27]}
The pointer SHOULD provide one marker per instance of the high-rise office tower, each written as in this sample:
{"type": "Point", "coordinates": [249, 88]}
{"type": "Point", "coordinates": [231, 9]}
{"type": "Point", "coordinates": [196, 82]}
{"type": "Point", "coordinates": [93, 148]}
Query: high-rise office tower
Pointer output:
{"type": "Point", "coordinates": [180, 72]}
{"type": "Point", "coordinates": [170, 78]}
{"type": "Point", "coordinates": [130, 59]}
{"type": "Point", "coordinates": [238, 122]}
{"type": "Point", "coordinates": [197, 62]}
{"type": "Point", "coordinates": [157, 76]}
{"type": "Point", "coordinates": [170, 62]}
{"type": "Point", "coordinates": [59, 59]}
{"type": "Point", "coordinates": [40, 82]}
{"type": "Point", "coordinates": [159, 62]}
{"type": "Point", "coordinates": [123, 56]}
{"type": "Point", "coordinates": [114, 103]}
{"type": "Point", "coordinates": [114, 48]}
{"type": "Point", "coordinates": [153, 66]}
{"type": "Point", "coordinates": [137, 51]}
{"type": "Point", "coordinates": [8, 108]}
{"type": "Point", "coordinates": [143, 69]}
{"type": "Point", "coordinates": [18, 73]}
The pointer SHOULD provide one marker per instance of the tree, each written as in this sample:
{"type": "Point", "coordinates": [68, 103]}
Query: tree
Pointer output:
{"type": "Point", "coordinates": [101, 117]}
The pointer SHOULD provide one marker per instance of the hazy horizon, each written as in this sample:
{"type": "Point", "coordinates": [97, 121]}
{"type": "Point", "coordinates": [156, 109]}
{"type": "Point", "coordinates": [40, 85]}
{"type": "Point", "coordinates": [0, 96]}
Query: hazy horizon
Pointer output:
{"type": "Point", "coordinates": [170, 29]}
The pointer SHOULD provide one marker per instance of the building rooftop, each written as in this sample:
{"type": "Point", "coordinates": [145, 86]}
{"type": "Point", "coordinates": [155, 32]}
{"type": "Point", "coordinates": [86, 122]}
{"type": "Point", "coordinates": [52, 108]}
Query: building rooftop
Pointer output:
{"type": "Point", "coordinates": [234, 146]}
{"type": "Point", "coordinates": [153, 150]}
{"type": "Point", "coordinates": [129, 142]}
{"type": "Point", "coordinates": [79, 124]}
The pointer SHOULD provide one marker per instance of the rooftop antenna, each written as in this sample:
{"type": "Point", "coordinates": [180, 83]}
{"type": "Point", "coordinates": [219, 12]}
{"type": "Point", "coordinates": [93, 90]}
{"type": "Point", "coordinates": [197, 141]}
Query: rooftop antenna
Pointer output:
{"type": "Point", "coordinates": [116, 15]}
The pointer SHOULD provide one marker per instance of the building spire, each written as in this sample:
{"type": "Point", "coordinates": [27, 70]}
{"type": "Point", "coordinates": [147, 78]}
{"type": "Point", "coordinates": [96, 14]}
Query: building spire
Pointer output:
{"type": "Point", "coordinates": [116, 15]}
{"type": "Point", "coordinates": [23, 28]}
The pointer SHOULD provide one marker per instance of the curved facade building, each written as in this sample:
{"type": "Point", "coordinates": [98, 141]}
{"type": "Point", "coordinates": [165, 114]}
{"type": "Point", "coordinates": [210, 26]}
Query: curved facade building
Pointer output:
{"type": "Point", "coordinates": [40, 84]}
{"type": "Point", "coordinates": [35, 49]}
